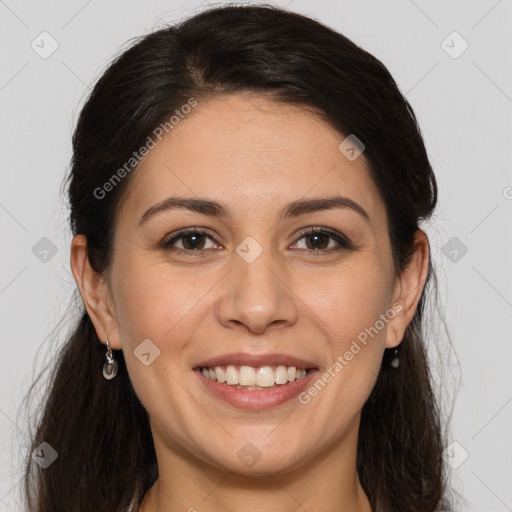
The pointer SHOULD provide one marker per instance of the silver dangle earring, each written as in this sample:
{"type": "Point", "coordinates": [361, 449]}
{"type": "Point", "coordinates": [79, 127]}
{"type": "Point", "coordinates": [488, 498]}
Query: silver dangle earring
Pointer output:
{"type": "Point", "coordinates": [110, 366]}
{"type": "Point", "coordinates": [395, 362]}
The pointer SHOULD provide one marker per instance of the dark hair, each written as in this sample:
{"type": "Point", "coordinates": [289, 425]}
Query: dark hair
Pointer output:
{"type": "Point", "coordinates": [99, 428]}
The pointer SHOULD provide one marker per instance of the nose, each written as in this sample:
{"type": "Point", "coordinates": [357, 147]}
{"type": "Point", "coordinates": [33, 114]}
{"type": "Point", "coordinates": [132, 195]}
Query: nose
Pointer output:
{"type": "Point", "coordinates": [256, 296]}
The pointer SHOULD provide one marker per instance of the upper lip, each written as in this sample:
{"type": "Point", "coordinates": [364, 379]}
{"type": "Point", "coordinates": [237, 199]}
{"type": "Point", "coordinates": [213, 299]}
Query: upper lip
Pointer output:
{"type": "Point", "coordinates": [243, 359]}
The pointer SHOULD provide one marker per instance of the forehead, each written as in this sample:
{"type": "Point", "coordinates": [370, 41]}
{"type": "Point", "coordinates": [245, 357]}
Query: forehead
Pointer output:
{"type": "Point", "coordinates": [250, 152]}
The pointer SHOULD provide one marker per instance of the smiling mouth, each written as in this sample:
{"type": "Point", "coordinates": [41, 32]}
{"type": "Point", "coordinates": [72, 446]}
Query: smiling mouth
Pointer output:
{"type": "Point", "coordinates": [252, 378]}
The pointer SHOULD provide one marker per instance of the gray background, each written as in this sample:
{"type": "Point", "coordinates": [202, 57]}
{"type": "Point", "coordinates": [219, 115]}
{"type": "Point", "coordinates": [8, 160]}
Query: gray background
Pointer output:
{"type": "Point", "coordinates": [463, 102]}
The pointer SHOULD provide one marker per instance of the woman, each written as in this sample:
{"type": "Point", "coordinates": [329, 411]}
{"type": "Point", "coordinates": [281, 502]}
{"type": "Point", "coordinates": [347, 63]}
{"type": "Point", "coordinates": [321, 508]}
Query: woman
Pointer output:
{"type": "Point", "coordinates": [246, 191]}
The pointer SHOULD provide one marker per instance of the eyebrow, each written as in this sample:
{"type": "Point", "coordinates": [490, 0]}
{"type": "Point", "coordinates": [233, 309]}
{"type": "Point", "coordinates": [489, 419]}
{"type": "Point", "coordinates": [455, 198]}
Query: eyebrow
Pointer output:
{"type": "Point", "coordinates": [218, 209]}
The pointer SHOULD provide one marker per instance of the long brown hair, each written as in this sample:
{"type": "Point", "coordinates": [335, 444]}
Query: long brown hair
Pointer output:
{"type": "Point", "coordinates": [99, 428]}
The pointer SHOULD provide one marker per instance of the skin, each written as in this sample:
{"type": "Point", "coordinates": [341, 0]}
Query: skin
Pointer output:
{"type": "Point", "coordinates": [255, 156]}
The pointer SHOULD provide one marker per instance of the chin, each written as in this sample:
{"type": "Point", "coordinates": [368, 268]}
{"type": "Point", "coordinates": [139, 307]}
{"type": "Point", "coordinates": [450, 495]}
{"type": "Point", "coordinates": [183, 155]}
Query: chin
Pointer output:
{"type": "Point", "coordinates": [249, 460]}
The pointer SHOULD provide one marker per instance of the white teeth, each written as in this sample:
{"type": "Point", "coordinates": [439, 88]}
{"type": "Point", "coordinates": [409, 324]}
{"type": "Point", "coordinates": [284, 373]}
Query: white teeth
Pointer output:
{"type": "Point", "coordinates": [281, 375]}
{"type": "Point", "coordinates": [219, 372]}
{"type": "Point", "coordinates": [265, 377]}
{"type": "Point", "coordinates": [249, 377]}
{"type": "Point", "coordinates": [231, 375]}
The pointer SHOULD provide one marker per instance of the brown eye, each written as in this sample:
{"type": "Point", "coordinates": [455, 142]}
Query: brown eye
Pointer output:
{"type": "Point", "coordinates": [192, 241]}
{"type": "Point", "coordinates": [320, 240]}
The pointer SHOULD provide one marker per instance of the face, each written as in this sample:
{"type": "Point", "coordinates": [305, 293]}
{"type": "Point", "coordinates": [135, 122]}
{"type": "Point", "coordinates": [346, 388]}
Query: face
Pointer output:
{"type": "Point", "coordinates": [261, 279]}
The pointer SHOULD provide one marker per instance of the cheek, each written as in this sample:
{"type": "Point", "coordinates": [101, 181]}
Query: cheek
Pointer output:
{"type": "Point", "coordinates": [153, 302]}
{"type": "Point", "coordinates": [349, 300]}
{"type": "Point", "coordinates": [353, 313]}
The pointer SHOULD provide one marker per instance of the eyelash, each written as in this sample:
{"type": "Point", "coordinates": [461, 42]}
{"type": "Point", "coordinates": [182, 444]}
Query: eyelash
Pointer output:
{"type": "Point", "coordinates": [343, 242]}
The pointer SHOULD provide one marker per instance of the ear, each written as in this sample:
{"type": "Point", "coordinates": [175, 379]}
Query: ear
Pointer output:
{"type": "Point", "coordinates": [408, 288]}
{"type": "Point", "coordinates": [95, 293]}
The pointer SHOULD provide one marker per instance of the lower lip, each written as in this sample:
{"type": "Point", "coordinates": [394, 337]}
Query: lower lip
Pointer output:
{"type": "Point", "coordinates": [257, 399]}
